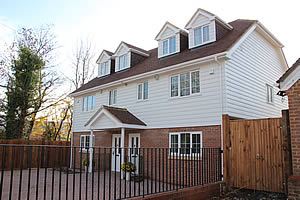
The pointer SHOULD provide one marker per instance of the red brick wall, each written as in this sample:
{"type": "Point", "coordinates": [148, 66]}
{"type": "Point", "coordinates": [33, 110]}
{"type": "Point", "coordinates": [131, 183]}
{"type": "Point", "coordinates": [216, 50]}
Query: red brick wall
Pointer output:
{"type": "Point", "coordinates": [195, 193]}
{"type": "Point", "coordinates": [294, 114]}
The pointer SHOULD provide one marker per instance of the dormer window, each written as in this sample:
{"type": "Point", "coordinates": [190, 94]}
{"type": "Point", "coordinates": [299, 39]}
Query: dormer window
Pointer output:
{"type": "Point", "coordinates": [105, 63]}
{"type": "Point", "coordinates": [104, 69]}
{"type": "Point", "coordinates": [205, 27]}
{"type": "Point", "coordinates": [169, 46]}
{"type": "Point", "coordinates": [123, 62]}
{"type": "Point", "coordinates": [171, 40]}
{"type": "Point", "coordinates": [201, 35]}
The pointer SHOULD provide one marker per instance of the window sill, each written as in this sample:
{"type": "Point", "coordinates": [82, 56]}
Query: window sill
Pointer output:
{"type": "Point", "coordinates": [184, 157]}
{"type": "Point", "coordinates": [88, 111]}
{"type": "Point", "coordinates": [181, 97]}
{"type": "Point", "coordinates": [270, 103]}
{"type": "Point", "coordinates": [142, 100]}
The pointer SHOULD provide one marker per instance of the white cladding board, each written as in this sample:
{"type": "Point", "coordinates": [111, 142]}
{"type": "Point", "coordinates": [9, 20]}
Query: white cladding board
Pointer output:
{"type": "Point", "coordinates": [167, 33]}
{"type": "Point", "coordinates": [103, 121]}
{"type": "Point", "coordinates": [160, 110]}
{"type": "Point", "coordinates": [253, 65]}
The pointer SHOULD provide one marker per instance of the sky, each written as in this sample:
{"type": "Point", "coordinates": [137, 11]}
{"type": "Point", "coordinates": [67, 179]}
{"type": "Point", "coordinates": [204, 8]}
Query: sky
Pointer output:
{"type": "Point", "coordinates": [108, 22]}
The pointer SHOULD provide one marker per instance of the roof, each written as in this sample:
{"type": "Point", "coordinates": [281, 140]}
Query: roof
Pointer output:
{"type": "Point", "coordinates": [289, 71]}
{"type": "Point", "coordinates": [136, 48]}
{"type": "Point", "coordinates": [121, 114]}
{"type": "Point", "coordinates": [108, 52]}
{"type": "Point", "coordinates": [152, 62]}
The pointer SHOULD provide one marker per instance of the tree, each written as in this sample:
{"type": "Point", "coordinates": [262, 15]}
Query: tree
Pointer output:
{"type": "Point", "coordinates": [21, 91]}
{"type": "Point", "coordinates": [41, 42]}
{"type": "Point", "coordinates": [82, 62]}
{"type": "Point", "coordinates": [56, 123]}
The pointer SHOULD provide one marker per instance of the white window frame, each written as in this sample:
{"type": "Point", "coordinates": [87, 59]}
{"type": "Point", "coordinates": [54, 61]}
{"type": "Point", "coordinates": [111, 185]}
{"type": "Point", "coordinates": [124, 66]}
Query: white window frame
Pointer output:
{"type": "Point", "coordinates": [126, 64]}
{"type": "Point", "coordinates": [169, 46]}
{"type": "Point", "coordinates": [85, 147]}
{"type": "Point", "coordinates": [112, 97]}
{"type": "Point", "coordinates": [179, 143]}
{"type": "Point", "coordinates": [269, 94]}
{"type": "Point", "coordinates": [202, 42]}
{"type": "Point", "coordinates": [143, 91]}
{"type": "Point", "coordinates": [85, 103]}
{"type": "Point", "coordinates": [105, 66]}
{"type": "Point", "coordinates": [178, 75]}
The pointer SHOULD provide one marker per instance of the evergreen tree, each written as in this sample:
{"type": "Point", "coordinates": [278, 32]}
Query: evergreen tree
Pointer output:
{"type": "Point", "coordinates": [22, 90]}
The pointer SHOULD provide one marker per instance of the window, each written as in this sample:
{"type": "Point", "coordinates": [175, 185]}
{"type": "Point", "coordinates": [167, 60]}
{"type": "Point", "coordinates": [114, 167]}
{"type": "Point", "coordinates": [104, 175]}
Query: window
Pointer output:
{"type": "Point", "coordinates": [142, 91]}
{"type": "Point", "coordinates": [201, 35]}
{"type": "Point", "coordinates": [270, 94]}
{"type": "Point", "coordinates": [103, 69]}
{"type": "Point", "coordinates": [185, 143]}
{"type": "Point", "coordinates": [88, 103]}
{"type": "Point", "coordinates": [123, 62]}
{"type": "Point", "coordinates": [112, 97]}
{"type": "Point", "coordinates": [85, 142]}
{"type": "Point", "coordinates": [187, 83]}
{"type": "Point", "coordinates": [169, 46]}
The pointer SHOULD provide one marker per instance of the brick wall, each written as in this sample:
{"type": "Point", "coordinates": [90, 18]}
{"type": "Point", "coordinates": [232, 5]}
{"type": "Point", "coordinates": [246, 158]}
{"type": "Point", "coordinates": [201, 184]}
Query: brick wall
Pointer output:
{"type": "Point", "coordinates": [195, 193]}
{"type": "Point", "coordinates": [294, 115]}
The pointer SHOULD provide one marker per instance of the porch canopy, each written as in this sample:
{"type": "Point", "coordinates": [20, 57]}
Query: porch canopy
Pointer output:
{"type": "Point", "coordinates": [108, 117]}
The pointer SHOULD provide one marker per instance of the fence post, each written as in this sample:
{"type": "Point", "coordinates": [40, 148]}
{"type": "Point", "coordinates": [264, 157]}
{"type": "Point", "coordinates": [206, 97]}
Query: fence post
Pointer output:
{"type": "Point", "coordinates": [285, 129]}
{"type": "Point", "coordinates": [226, 148]}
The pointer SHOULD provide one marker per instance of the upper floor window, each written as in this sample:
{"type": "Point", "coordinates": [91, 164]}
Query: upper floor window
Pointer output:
{"type": "Point", "coordinates": [270, 94]}
{"type": "Point", "coordinates": [104, 69]}
{"type": "Point", "coordinates": [88, 103]}
{"type": "Point", "coordinates": [142, 91]}
{"type": "Point", "coordinates": [201, 35]}
{"type": "Point", "coordinates": [123, 62]}
{"type": "Point", "coordinates": [112, 97]}
{"type": "Point", "coordinates": [185, 84]}
{"type": "Point", "coordinates": [169, 46]}
{"type": "Point", "coordinates": [185, 143]}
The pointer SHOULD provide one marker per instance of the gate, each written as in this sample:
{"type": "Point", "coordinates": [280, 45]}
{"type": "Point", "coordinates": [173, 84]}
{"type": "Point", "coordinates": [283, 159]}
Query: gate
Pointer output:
{"type": "Point", "coordinates": [257, 153]}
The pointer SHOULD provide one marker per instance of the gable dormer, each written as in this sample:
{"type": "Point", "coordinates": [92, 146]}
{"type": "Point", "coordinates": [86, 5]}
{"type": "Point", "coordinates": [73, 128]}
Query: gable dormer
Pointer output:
{"type": "Point", "coordinates": [105, 63]}
{"type": "Point", "coordinates": [205, 27]}
{"type": "Point", "coordinates": [170, 40]}
{"type": "Point", "coordinates": [127, 56]}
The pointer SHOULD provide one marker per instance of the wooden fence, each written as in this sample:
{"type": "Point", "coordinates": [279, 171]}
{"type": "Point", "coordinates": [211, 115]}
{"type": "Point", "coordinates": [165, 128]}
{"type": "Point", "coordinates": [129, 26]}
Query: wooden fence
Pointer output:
{"type": "Point", "coordinates": [26, 154]}
{"type": "Point", "coordinates": [257, 153]}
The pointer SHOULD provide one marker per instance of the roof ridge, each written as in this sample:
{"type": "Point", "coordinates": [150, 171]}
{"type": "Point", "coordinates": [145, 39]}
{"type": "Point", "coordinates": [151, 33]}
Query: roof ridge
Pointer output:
{"type": "Point", "coordinates": [115, 108]}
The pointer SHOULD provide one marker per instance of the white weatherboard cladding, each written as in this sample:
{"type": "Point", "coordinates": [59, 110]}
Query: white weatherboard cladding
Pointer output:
{"type": "Point", "coordinates": [160, 110]}
{"type": "Point", "coordinates": [167, 33]}
{"type": "Point", "coordinates": [103, 121]}
{"type": "Point", "coordinates": [200, 19]}
{"type": "Point", "coordinates": [254, 64]}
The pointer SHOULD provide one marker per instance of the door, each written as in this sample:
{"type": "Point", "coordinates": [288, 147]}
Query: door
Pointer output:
{"type": "Point", "coordinates": [116, 151]}
{"type": "Point", "coordinates": [134, 145]}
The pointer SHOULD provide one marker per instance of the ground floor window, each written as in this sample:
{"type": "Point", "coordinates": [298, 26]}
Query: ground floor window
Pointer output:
{"type": "Point", "coordinates": [85, 142]}
{"type": "Point", "coordinates": [185, 143]}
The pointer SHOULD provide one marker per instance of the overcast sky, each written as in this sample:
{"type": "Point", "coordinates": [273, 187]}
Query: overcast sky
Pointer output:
{"type": "Point", "coordinates": [108, 22]}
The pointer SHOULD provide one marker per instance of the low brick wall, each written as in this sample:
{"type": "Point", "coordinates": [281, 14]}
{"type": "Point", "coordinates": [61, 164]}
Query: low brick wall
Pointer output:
{"type": "Point", "coordinates": [293, 187]}
{"type": "Point", "coordinates": [194, 193]}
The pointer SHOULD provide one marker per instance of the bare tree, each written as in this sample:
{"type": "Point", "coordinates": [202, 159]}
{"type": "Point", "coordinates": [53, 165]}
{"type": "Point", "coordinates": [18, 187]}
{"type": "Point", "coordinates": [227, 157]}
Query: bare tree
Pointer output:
{"type": "Point", "coordinates": [82, 62]}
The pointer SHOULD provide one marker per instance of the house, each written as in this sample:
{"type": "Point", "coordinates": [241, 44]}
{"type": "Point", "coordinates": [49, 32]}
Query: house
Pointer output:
{"type": "Point", "coordinates": [289, 84]}
{"type": "Point", "coordinates": [175, 95]}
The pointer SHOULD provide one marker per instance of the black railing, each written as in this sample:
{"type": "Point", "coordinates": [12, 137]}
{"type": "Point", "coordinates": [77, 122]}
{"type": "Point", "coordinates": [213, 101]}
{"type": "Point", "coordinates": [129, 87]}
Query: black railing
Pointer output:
{"type": "Point", "coordinates": [63, 172]}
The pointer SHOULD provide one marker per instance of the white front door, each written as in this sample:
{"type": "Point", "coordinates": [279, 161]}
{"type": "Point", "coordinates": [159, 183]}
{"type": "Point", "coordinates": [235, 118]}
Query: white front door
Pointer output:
{"type": "Point", "coordinates": [116, 151]}
{"type": "Point", "coordinates": [134, 151]}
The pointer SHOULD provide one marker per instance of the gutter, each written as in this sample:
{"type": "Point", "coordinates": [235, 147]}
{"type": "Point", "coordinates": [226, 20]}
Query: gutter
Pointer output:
{"type": "Point", "coordinates": [152, 73]}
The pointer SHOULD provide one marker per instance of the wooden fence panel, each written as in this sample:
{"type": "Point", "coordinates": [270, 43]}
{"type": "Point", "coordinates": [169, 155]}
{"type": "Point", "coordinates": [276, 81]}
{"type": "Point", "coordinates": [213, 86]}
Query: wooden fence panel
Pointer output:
{"type": "Point", "coordinates": [255, 154]}
{"type": "Point", "coordinates": [24, 154]}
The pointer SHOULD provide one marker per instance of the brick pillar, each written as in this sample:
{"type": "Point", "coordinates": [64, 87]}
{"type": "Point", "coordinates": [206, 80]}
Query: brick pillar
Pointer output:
{"type": "Point", "coordinates": [294, 115]}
